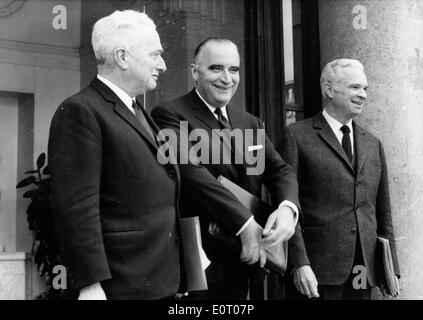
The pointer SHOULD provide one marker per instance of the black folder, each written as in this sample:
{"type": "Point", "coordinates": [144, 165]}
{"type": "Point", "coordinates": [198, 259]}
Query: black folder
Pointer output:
{"type": "Point", "coordinates": [276, 255]}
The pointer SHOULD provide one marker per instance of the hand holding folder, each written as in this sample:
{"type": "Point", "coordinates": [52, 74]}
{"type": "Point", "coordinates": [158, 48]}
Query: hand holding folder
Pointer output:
{"type": "Point", "coordinates": [276, 259]}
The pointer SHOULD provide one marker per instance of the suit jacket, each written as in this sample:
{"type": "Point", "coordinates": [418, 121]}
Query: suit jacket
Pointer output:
{"type": "Point", "coordinates": [202, 195]}
{"type": "Point", "coordinates": [115, 206]}
{"type": "Point", "coordinates": [339, 203]}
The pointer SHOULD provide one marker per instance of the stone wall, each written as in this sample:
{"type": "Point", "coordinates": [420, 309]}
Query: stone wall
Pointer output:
{"type": "Point", "coordinates": [387, 37]}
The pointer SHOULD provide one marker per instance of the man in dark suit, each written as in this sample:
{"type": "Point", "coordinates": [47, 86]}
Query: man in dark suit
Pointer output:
{"type": "Point", "coordinates": [115, 206]}
{"type": "Point", "coordinates": [344, 193]}
{"type": "Point", "coordinates": [205, 110]}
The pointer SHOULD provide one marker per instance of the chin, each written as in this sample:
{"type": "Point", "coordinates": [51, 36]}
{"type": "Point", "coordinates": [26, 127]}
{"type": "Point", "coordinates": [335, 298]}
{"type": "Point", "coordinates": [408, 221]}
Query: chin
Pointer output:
{"type": "Point", "coordinates": [151, 87]}
{"type": "Point", "coordinates": [224, 99]}
{"type": "Point", "coordinates": [222, 103]}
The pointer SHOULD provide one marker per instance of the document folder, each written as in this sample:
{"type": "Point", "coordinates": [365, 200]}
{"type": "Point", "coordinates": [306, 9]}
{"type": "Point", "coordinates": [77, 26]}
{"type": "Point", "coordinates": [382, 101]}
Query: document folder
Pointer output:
{"type": "Point", "coordinates": [386, 274]}
{"type": "Point", "coordinates": [192, 246]}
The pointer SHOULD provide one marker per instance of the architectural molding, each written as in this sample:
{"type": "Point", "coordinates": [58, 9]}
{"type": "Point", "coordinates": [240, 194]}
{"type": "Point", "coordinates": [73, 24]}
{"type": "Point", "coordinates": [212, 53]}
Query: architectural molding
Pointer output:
{"type": "Point", "coordinates": [39, 48]}
{"type": "Point", "coordinates": [41, 55]}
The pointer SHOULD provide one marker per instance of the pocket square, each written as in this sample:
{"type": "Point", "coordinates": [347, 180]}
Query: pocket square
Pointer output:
{"type": "Point", "coordinates": [253, 148]}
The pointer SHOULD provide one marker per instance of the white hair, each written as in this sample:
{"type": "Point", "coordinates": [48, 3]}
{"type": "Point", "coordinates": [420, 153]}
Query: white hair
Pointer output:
{"type": "Point", "coordinates": [116, 30]}
{"type": "Point", "coordinates": [329, 72]}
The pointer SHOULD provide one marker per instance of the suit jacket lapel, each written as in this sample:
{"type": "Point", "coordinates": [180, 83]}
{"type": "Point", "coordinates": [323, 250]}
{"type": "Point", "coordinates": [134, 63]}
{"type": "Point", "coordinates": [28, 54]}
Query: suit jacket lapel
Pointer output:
{"type": "Point", "coordinates": [326, 133]}
{"type": "Point", "coordinates": [122, 110]}
{"type": "Point", "coordinates": [201, 111]}
{"type": "Point", "coordinates": [235, 118]}
{"type": "Point", "coordinates": [237, 121]}
{"type": "Point", "coordinates": [360, 141]}
{"type": "Point", "coordinates": [157, 131]}
{"type": "Point", "coordinates": [149, 119]}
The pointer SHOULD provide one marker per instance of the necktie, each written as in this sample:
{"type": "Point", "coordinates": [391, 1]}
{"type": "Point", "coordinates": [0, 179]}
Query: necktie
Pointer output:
{"type": "Point", "coordinates": [222, 120]}
{"type": "Point", "coordinates": [346, 141]}
{"type": "Point", "coordinates": [224, 123]}
{"type": "Point", "coordinates": [141, 118]}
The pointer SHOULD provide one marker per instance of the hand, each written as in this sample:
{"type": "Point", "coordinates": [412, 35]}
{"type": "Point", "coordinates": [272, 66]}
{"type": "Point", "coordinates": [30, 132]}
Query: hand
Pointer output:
{"type": "Point", "coordinates": [384, 291]}
{"type": "Point", "coordinates": [252, 247]}
{"type": "Point", "coordinates": [279, 226]}
{"type": "Point", "coordinates": [180, 295]}
{"type": "Point", "coordinates": [305, 281]}
{"type": "Point", "coordinates": [92, 292]}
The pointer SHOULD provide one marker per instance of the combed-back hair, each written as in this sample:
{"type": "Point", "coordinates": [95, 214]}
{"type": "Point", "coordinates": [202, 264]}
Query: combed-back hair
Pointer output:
{"type": "Point", "coordinates": [117, 30]}
{"type": "Point", "coordinates": [208, 40]}
{"type": "Point", "coordinates": [329, 72]}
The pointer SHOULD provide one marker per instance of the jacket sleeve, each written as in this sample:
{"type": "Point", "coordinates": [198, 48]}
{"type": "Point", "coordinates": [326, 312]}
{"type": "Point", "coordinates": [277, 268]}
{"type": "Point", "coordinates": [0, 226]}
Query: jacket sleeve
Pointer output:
{"type": "Point", "coordinates": [279, 177]}
{"type": "Point", "coordinates": [383, 210]}
{"type": "Point", "coordinates": [75, 160]}
{"type": "Point", "coordinates": [297, 253]}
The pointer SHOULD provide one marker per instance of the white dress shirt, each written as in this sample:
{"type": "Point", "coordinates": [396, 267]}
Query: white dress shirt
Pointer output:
{"type": "Point", "coordinates": [335, 125]}
{"type": "Point", "coordinates": [283, 203]}
{"type": "Point", "coordinates": [212, 109]}
{"type": "Point", "coordinates": [122, 95]}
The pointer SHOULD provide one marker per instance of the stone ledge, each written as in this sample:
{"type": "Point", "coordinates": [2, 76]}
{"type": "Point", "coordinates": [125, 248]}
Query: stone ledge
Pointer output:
{"type": "Point", "coordinates": [14, 256]}
{"type": "Point", "coordinates": [15, 276]}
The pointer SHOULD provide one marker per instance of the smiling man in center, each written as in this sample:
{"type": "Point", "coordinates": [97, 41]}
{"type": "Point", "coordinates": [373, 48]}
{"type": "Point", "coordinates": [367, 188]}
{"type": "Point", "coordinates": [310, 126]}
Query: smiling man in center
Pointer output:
{"type": "Point", "coordinates": [215, 70]}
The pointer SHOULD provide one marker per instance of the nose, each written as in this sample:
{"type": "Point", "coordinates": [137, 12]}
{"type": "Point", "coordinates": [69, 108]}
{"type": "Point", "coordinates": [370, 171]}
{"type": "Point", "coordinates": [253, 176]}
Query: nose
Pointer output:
{"type": "Point", "coordinates": [226, 77]}
{"type": "Point", "coordinates": [363, 94]}
{"type": "Point", "coordinates": [161, 66]}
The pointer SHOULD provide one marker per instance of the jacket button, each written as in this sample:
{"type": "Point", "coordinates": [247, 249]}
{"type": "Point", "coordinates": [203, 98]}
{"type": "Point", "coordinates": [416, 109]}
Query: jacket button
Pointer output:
{"type": "Point", "coordinates": [171, 173]}
{"type": "Point", "coordinates": [353, 231]}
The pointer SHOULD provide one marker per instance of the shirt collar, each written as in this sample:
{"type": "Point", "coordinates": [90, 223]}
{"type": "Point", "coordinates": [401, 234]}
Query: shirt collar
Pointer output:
{"type": "Point", "coordinates": [211, 108]}
{"type": "Point", "coordinates": [335, 124]}
{"type": "Point", "coordinates": [126, 99]}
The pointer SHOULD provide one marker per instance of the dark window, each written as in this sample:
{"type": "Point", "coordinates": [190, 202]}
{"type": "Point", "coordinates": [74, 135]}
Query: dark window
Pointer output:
{"type": "Point", "coordinates": [283, 58]}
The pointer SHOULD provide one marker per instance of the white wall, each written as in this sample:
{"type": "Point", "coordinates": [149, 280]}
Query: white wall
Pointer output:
{"type": "Point", "coordinates": [35, 59]}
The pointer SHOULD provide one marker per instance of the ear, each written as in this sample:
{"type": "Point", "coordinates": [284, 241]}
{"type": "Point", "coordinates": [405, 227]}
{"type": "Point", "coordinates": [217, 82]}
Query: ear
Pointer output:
{"type": "Point", "coordinates": [328, 89]}
{"type": "Point", "coordinates": [121, 58]}
{"type": "Point", "coordinates": [194, 71]}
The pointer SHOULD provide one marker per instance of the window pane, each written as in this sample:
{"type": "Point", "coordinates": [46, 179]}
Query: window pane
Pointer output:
{"type": "Point", "coordinates": [293, 116]}
{"type": "Point", "coordinates": [292, 89]}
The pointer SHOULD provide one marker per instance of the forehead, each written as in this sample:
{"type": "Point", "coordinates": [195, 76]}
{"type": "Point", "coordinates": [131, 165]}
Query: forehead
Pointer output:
{"type": "Point", "coordinates": [350, 75]}
{"type": "Point", "coordinates": [224, 53]}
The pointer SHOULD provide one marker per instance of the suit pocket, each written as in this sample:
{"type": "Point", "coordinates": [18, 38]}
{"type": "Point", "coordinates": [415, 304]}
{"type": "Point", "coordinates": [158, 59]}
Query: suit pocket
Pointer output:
{"type": "Point", "coordinates": [374, 163]}
{"type": "Point", "coordinates": [125, 245]}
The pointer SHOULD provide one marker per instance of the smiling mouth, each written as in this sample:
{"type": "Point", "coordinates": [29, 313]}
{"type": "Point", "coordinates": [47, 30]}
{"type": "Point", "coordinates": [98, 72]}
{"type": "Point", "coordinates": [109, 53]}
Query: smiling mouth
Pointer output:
{"type": "Point", "coordinates": [223, 88]}
{"type": "Point", "coordinates": [358, 103]}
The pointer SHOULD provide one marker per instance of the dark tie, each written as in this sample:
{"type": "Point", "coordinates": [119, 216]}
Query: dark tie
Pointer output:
{"type": "Point", "coordinates": [222, 120]}
{"type": "Point", "coordinates": [346, 141]}
{"type": "Point", "coordinates": [224, 123]}
{"type": "Point", "coordinates": [141, 118]}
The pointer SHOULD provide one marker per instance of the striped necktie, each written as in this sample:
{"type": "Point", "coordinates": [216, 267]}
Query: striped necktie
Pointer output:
{"type": "Point", "coordinates": [142, 119]}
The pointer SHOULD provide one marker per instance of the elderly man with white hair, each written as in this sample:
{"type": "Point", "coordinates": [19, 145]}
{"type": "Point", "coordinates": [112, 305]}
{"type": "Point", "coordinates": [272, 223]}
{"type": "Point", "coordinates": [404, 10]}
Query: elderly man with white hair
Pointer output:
{"type": "Point", "coordinates": [344, 193]}
{"type": "Point", "coordinates": [115, 207]}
